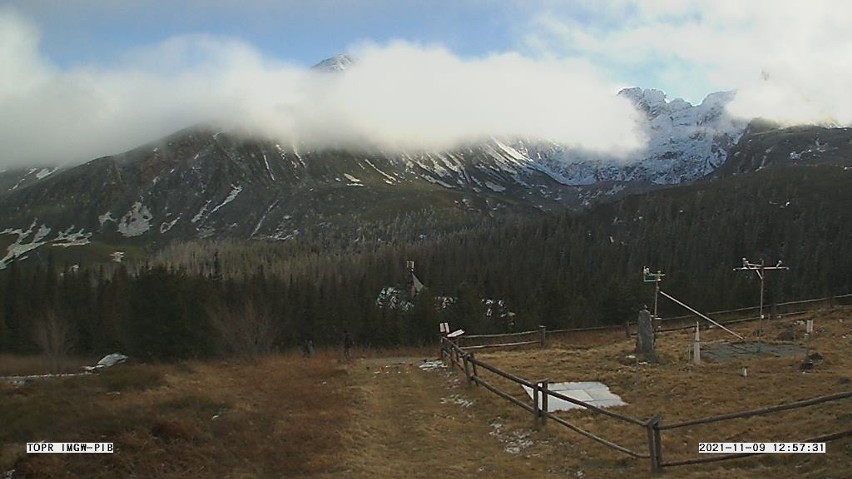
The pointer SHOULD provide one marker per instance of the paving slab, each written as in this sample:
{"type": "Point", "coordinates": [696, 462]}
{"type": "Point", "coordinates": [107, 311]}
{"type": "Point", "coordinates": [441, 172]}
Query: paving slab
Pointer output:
{"type": "Point", "coordinates": [592, 392]}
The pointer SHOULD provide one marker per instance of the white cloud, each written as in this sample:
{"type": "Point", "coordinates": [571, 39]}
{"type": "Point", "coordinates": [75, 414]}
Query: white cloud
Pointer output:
{"type": "Point", "coordinates": [399, 95]}
{"type": "Point", "coordinates": [789, 61]}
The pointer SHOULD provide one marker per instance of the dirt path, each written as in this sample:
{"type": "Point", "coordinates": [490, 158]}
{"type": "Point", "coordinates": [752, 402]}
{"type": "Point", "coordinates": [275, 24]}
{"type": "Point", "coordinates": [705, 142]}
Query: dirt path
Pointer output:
{"type": "Point", "coordinates": [414, 422]}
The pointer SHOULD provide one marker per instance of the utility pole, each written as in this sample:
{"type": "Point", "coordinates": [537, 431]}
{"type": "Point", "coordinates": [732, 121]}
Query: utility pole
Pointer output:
{"type": "Point", "coordinates": [761, 270]}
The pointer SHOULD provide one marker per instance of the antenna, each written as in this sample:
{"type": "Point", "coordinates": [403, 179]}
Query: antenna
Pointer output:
{"type": "Point", "coordinates": [760, 269]}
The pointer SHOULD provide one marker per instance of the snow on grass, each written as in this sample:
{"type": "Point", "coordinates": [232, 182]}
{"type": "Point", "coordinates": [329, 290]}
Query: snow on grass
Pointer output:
{"type": "Point", "coordinates": [136, 221]}
{"type": "Point", "coordinates": [430, 365]}
{"type": "Point", "coordinates": [515, 441]}
{"type": "Point", "coordinates": [456, 399]}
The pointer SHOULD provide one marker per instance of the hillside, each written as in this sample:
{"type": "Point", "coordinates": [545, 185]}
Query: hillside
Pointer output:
{"type": "Point", "coordinates": [561, 270]}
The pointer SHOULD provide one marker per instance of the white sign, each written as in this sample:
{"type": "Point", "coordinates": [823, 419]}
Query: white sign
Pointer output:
{"type": "Point", "coordinates": [456, 333]}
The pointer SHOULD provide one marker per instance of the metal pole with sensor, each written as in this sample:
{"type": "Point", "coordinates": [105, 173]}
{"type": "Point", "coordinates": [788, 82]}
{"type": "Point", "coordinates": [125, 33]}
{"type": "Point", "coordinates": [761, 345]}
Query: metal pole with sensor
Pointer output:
{"type": "Point", "coordinates": [760, 269]}
{"type": "Point", "coordinates": [649, 277]}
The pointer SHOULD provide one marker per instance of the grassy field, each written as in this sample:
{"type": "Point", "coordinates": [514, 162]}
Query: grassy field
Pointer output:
{"type": "Point", "coordinates": [680, 390]}
{"type": "Point", "coordinates": [187, 420]}
{"type": "Point", "coordinates": [382, 416]}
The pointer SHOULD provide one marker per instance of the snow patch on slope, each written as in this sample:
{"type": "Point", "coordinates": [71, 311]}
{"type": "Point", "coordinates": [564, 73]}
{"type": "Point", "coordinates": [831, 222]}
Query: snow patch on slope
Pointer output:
{"type": "Point", "coordinates": [106, 217]}
{"type": "Point", "coordinates": [495, 187]}
{"type": "Point", "coordinates": [45, 172]}
{"type": "Point", "coordinates": [201, 212]}
{"type": "Point", "coordinates": [235, 190]}
{"type": "Point", "coordinates": [136, 221]}
{"type": "Point", "coordinates": [69, 237]}
{"type": "Point", "coordinates": [40, 236]}
{"type": "Point", "coordinates": [165, 226]}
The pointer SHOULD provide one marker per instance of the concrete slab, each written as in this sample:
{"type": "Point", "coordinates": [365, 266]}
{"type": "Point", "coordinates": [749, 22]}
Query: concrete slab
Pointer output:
{"type": "Point", "coordinates": [591, 392]}
{"type": "Point", "coordinates": [731, 351]}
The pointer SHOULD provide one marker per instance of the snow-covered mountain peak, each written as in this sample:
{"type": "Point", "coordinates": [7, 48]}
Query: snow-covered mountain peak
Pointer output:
{"type": "Point", "coordinates": [337, 63]}
{"type": "Point", "coordinates": [685, 142]}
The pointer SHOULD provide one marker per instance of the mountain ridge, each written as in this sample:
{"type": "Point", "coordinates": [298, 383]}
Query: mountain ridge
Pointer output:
{"type": "Point", "coordinates": [203, 182]}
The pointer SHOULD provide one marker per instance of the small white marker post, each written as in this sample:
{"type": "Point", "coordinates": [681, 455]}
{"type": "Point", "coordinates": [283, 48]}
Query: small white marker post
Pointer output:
{"type": "Point", "coordinates": [696, 345]}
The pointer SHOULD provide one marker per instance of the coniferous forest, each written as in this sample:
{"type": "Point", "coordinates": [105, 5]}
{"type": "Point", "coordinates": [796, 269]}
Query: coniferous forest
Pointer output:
{"type": "Point", "coordinates": [223, 297]}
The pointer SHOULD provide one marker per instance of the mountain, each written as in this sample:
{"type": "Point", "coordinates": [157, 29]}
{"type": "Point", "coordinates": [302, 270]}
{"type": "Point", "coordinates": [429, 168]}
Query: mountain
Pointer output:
{"type": "Point", "coordinates": [204, 183]}
{"type": "Point", "coordinates": [766, 145]}
{"type": "Point", "coordinates": [685, 143]}
{"type": "Point", "coordinates": [334, 64]}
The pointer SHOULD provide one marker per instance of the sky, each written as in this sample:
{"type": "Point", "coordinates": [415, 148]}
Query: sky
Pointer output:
{"type": "Point", "coordinates": [85, 78]}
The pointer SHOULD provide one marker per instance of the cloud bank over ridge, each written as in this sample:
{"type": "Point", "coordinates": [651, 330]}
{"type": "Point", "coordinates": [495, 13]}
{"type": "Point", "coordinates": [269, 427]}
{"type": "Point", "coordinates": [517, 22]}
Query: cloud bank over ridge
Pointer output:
{"type": "Point", "coordinates": [398, 96]}
{"type": "Point", "coordinates": [789, 61]}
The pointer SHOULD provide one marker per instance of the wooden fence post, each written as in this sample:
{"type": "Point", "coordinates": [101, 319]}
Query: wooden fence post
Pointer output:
{"type": "Point", "coordinates": [543, 333]}
{"type": "Point", "coordinates": [467, 369]}
{"type": "Point", "coordinates": [536, 410]}
{"type": "Point", "coordinates": [655, 446]}
{"type": "Point", "coordinates": [544, 409]}
{"type": "Point", "coordinates": [475, 372]}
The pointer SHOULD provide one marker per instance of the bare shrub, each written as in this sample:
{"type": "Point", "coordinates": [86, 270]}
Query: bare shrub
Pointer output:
{"type": "Point", "coordinates": [54, 335]}
{"type": "Point", "coordinates": [249, 332]}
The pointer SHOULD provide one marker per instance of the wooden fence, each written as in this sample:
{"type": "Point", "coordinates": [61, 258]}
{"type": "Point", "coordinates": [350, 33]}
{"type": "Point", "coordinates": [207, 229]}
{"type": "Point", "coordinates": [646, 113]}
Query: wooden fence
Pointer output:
{"type": "Point", "coordinates": [675, 323]}
{"type": "Point", "coordinates": [653, 428]}
{"type": "Point", "coordinates": [483, 341]}
{"type": "Point", "coordinates": [751, 313]}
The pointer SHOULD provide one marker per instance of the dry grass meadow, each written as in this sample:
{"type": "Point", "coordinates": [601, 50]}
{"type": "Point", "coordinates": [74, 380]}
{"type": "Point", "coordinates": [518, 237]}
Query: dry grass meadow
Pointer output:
{"type": "Point", "coordinates": [382, 416]}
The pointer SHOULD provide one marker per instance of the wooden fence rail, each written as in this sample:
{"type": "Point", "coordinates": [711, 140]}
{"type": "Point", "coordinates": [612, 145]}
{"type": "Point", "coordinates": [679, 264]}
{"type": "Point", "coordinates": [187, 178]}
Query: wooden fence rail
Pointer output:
{"type": "Point", "coordinates": [596, 409]}
{"type": "Point", "coordinates": [829, 301]}
{"type": "Point", "coordinates": [593, 437]}
{"type": "Point", "coordinates": [760, 411]}
{"type": "Point", "coordinates": [540, 390]}
{"type": "Point", "coordinates": [542, 333]}
{"type": "Point", "coordinates": [501, 345]}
